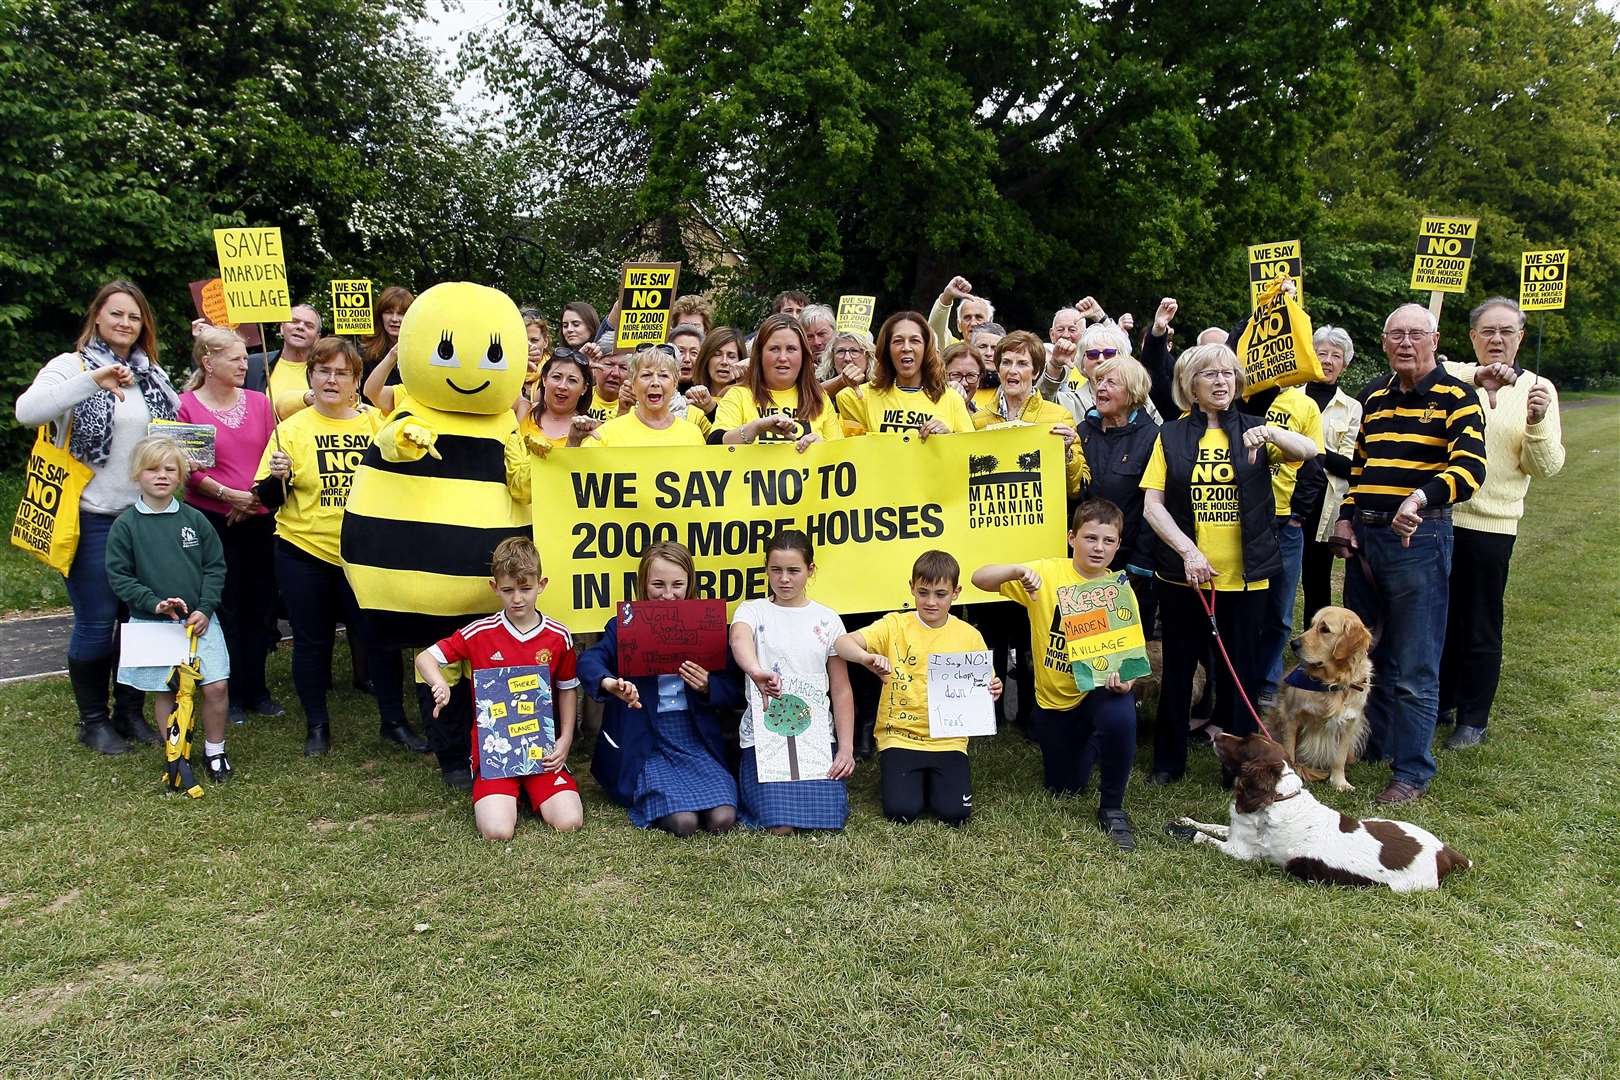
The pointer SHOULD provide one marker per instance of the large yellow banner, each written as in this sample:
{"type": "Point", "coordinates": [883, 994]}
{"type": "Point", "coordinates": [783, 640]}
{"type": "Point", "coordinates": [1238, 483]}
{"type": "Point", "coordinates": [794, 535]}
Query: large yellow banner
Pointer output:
{"type": "Point", "coordinates": [870, 505]}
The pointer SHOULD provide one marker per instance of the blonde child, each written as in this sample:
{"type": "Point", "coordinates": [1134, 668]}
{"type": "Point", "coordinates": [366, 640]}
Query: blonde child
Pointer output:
{"type": "Point", "coordinates": [517, 636]}
{"type": "Point", "coordinates": [165, 561]}
{"type": "Point", "coordinates": [916, 770]}
{"type": "Point", "coordinates": [790, 634]}
{"type": "Point", "coordinates": [1066, 719]}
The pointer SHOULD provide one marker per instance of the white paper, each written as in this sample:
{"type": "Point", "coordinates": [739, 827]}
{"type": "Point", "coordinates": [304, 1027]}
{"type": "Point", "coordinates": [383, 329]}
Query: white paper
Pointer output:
{"type": "Point", "coordinates": [804, 756]}
{"type": "Point", "coordinates": [152, 644]}
{"type": "Point", "coordinates": [959, 695]}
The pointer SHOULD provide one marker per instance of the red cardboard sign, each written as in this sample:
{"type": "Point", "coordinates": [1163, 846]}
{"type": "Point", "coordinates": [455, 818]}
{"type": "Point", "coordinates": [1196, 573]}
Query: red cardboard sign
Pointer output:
{"type": "Point", "coordinates": [208, 297]}
{"type": "Point", "coordinates": [657, 636]}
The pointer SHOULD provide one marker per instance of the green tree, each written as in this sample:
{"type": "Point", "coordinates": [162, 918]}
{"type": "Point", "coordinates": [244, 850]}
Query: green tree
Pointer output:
{"type": "Point", "coordinates": [1505, 111]}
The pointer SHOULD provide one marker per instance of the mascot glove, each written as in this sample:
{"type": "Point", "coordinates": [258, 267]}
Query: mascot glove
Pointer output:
{"type": "Point", "coordinates": [417, 438]}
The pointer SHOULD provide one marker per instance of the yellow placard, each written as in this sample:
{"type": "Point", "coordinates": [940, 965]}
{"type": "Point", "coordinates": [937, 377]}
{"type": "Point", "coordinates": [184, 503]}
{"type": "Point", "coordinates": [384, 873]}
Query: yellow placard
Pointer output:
{"type": "Point", "coordinates": [537, 753]}
{"type": "Point", "coordinates": [646, 294]}
{"type": "Point", "coordinates": [525, 707]}
{"type": "Point", "coordinates": [855, 314]}
{"type": "Point", "coordinates": [351, 307]}
{"type": "Point", "coordinates": [869, 505]}
{"type": "Point", "coordinates": [1445, 251]}
{"type": "Point", "coordinates": [1267, 262]}
{"type": "Point", "coordinates": [519, 684]}
{"type": "Point", "coordinates": [1543, 279]}
{"type": "Point", "coordinates": [253, 271]}
{"type": "Point", "coordinates": [522, 728]}
{"type": "Point", "coordinates": [497, 710]}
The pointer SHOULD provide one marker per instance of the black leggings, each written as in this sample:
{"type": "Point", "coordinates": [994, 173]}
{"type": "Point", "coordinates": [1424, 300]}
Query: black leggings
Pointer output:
{"type": "Point", "coordinates": [940, 780]}
{"type": "Point", "coordinates": [247, 608]}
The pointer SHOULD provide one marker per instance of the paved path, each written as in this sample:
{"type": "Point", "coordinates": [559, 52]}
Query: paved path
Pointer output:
{"type": "Point", "coordinates": [34, 646]}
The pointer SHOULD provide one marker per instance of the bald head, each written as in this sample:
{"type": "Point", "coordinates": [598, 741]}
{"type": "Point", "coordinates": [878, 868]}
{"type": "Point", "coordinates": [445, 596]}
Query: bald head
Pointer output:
{"type": "Point", "coordinates": [1212, 335]}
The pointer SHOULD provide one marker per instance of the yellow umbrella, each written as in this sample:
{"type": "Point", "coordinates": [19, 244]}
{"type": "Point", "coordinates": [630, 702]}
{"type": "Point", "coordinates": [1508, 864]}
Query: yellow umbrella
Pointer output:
{"type": "Point", "coordinates": [177, 744]}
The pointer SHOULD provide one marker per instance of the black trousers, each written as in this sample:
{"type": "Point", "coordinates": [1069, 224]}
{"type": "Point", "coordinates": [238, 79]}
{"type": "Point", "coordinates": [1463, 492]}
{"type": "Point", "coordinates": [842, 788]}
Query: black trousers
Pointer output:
{"type": "Point", "coordinates": [1316, 577]}
{"type": "Point", "coordinates": [1471, 665]}
{"type": "Point", "coordinates": [1240, 617]}
{"type": "Point", "coordinates": [318, 597]}
{"type": "Point", "coordinates": [247, 609]}
{"type": "Point", "coordinates": [1006, 627]}
{"type": "Point", "coordinates": [940, 781]}
{"type": "Point", "coordinates": [1102, 726]}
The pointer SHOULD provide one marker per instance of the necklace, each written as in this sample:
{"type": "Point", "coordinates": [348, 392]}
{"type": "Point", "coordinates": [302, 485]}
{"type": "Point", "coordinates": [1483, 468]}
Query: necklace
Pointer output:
{"type": "Point", "coordinates": [232, 416]}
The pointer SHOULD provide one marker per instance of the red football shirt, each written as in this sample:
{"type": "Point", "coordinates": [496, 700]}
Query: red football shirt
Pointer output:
{"type": "Point", "coordinates": [493, 642]}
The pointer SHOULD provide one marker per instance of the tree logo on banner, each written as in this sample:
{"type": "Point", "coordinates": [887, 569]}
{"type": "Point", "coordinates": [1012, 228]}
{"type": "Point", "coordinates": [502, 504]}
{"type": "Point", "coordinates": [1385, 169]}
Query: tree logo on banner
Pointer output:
{"type": "Point", "coordinates": [789, 717]}
{"type": "Point", "coordinates": [1008, 497]}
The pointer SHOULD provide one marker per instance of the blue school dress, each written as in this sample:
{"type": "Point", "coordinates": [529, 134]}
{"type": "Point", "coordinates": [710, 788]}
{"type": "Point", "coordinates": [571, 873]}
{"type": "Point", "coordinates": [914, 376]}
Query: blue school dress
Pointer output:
{"type": "Point", "coordinates": [803, 804]}
{"type": "Point", "coordinates": [668, 756]}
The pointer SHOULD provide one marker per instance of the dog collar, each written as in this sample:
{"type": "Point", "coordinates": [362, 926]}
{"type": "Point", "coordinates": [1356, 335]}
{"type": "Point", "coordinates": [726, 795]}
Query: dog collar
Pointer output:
{"type": "Point", "coordinates": [1304, 680]}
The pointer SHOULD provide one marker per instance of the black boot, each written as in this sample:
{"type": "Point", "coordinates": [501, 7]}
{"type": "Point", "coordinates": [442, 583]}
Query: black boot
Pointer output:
{"type": "Point", "coordinates": [400, 732]}
{"type": "Point", "coordinates": [865, 740]}
{"type": "Point", "coordinates": [129, 715]}
{"type": "Point", "coordinates": [89, 679]}
{"type": "Point", "coordinates": [319, 739]}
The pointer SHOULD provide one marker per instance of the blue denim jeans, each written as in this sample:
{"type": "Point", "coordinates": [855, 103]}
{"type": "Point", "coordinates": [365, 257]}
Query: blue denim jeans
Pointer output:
{"type": "Point", "coordinates": [1406, 600]}
{"type": "Point", "coordinates": [95, 605]}
{"type": "Point", "coordinates": [1279, 624]}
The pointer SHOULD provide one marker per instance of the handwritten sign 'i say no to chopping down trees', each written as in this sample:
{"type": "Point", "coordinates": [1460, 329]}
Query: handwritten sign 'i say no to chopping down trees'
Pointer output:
{"type": "Point", "coordinates": [253, 270]}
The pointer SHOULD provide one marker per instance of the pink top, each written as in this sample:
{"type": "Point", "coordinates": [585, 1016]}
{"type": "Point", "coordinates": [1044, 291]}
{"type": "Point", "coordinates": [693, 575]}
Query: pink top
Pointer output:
{"type": "Point", "coordinates": [242, 435]}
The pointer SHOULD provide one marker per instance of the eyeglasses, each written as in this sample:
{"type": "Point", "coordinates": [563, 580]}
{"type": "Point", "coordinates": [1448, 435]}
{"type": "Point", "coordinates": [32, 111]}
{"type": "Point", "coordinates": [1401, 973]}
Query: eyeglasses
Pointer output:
{"type": "Point", "coordinates": [1408, 335]}
{"type": "Point", "coordinates": [1491, 332]}
{"type": "Point", "coordinates": [1217, 375]}
{"type": "Point", "coordinates": [334, 374]}
{"type": "Point", "coordinates": [849, 350]}
{"type": "Point", "coordinates": [1101, 354]}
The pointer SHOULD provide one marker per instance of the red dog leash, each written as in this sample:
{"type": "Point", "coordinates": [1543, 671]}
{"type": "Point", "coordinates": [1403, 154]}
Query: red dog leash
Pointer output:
{"type": "Point", "coordinates": [1215, 632]}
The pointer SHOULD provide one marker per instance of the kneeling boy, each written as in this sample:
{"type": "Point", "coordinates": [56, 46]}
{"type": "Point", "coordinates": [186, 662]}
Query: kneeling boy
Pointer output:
{"type": "Point", "coordinates": [1065, 719]}
{"type": "Point", "coordinates": [517, 636]}
{"type": "Point", "coordinates": [915, 770]}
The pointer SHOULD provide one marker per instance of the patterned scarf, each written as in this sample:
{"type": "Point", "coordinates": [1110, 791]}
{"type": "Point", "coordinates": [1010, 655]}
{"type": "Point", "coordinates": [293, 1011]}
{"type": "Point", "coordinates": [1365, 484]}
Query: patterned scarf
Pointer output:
{"type": "Point", "coordinates": [91, 441]}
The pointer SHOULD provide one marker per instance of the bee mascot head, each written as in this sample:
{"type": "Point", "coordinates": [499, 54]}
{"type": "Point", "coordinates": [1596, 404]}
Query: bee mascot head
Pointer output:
{"type": "Point", "coordinates": [446, 478]}
{"type": "Point", "coordinates": [463, 349]}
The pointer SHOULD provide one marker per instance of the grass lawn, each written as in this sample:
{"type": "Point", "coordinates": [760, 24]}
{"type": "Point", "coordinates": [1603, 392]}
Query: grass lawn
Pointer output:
{"type": "Point", "coordinates": [340, 917]}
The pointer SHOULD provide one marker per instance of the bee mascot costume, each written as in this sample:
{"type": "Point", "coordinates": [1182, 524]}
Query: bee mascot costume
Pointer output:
{"type": "Point", "coordinates": [445, 480]}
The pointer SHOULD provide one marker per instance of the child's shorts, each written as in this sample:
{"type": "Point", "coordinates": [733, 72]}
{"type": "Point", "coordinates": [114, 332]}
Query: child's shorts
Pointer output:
{"type": "Point", "coordinates": [216, 664]}
{"type": "Point", "coordinates": [540, 787]}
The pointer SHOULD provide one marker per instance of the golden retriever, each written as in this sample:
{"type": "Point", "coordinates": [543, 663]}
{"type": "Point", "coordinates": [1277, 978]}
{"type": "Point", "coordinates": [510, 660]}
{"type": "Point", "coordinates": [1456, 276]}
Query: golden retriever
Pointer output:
{"type": "Point", "coordinates": [1319, 714]}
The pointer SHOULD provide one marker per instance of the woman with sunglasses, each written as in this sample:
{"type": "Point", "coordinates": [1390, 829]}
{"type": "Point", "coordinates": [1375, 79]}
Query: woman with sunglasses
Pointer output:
{"type": "Point", "coordinates": [1100, 341]}
{"type": "Point", "coordinates": [1207, 495]}
{"type": "Point", "coordinates": [560, 416]}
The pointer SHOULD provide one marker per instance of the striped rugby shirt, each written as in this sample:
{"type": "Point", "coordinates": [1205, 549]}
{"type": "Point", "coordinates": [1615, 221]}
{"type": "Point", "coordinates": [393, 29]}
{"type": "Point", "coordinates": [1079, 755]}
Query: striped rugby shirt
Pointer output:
{"type": "Point", "coordinates": [1430, 438]}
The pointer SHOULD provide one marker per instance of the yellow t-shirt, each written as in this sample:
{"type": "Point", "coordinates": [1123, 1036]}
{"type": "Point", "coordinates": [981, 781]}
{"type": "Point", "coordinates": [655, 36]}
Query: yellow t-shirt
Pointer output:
{"type": "Point", "coordinates": [1292, 410]}
{"type": "Point", "coordinates": [1215, 505]}
{"type": "Point", "coordinates": [735, 410]}
{"type": "Point", "coordinates": [287, 386]}
{"type": "Point", "coordinates": [628, 430]}
{"type": "Point", "coordinates": [900, 410]}
{"type": "Point", "coordinates": [902, 636]}
{"type": "Point", "coordinates": [324, 455]}
{"type": "Point", "coordinates": [985, 398]}
{"type": "Point", "coordinates": [602, 411]}
{"type": "Point", "coordinates": [1054, 678]}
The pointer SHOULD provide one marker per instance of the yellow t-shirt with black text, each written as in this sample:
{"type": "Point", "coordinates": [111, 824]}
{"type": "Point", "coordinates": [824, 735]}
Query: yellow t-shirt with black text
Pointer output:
{"type": "Point", "coordinates": [901, 410]}
{"type": "Point", "coordinates": [1292, 410]}
{"type": "Point", "coordinates": [902, 636]}
{"type": "Point", "coordinates": [325, 453]}
{"type": "Point", "coordinates": [288, 382]}
{"type": "Point", "coordinates": [1054, 677]}
{"type": "Point", "coordinates": [1216, 519]}
{"type": "Point", "coordinates": [739, 408]}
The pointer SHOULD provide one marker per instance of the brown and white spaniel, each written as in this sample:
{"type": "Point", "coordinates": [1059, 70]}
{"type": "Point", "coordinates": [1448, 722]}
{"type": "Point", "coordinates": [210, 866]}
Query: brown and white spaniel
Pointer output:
{"type": "Point", "coordinates": [1275, 820]}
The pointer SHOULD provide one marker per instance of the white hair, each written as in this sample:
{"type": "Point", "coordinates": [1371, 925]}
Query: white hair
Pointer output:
{"type": "Point", "coordinates": [1434, 323]}
{"type": "Point", "coordinates": [817, 313]}
{"type": "Point", "coordinates": [989, 308]}
{"type": "Point", "coordinates": [1107, 333]}
{"type": "Point", "coordinates": [1336, 336]}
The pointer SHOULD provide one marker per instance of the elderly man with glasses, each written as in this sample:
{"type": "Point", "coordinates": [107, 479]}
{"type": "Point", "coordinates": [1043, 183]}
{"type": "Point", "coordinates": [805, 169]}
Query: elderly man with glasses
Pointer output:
{"type": "Point", "coordinates": [1523, 439]}
{"type": "Point", "coordinates": [1420, 451]}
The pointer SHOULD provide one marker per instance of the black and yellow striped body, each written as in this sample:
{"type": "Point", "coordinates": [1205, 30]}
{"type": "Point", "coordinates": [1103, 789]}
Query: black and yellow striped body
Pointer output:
{"type": "Point", "coordinates": [418, 535]}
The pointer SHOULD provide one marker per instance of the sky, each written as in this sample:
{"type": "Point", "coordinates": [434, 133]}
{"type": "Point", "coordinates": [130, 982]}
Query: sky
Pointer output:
{"type": "Point", "coordinates": [446, 25]}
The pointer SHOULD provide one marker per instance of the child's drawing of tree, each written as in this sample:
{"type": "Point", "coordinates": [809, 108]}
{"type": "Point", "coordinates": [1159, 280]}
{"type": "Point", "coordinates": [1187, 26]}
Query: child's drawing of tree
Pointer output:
{"type": "Point", "coordinates": [789, 717]}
